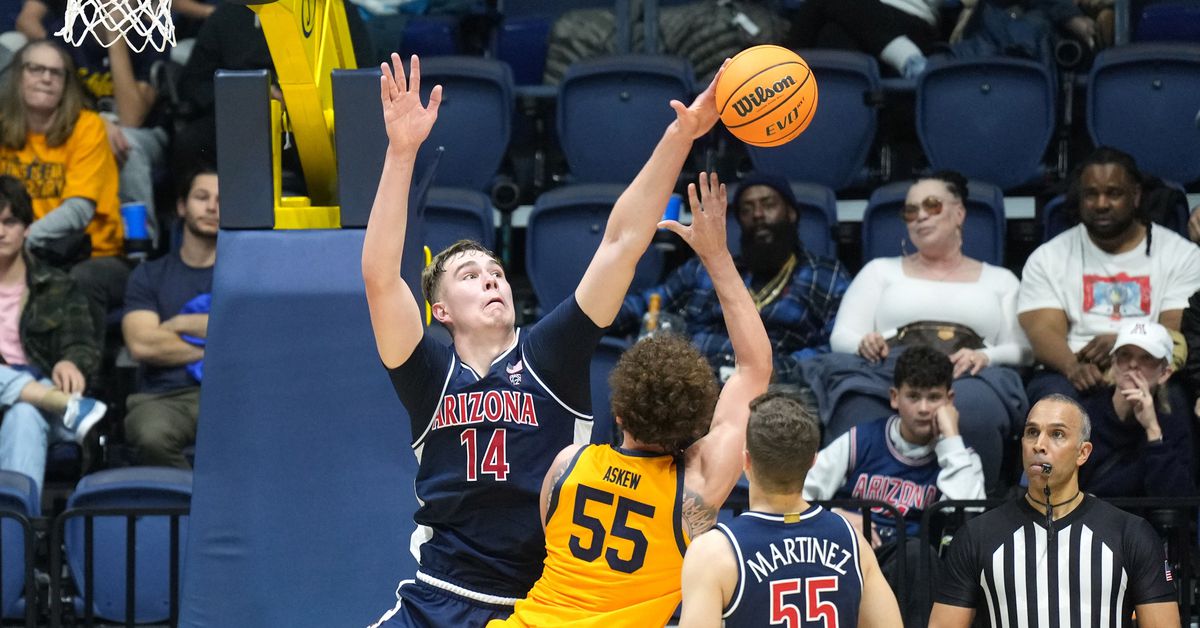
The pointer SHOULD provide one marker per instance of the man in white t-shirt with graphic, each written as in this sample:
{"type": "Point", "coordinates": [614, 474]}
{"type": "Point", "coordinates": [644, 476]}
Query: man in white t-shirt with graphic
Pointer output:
{"type": "Point", "coordinates": [1115, 266]}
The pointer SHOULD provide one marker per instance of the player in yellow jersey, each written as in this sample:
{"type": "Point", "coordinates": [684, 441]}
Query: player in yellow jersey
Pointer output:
{"type": "Point", "coordinates": [618, 519]}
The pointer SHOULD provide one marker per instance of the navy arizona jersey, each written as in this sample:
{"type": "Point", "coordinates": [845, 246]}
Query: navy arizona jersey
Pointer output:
{"type": "Point", "coordinates": [801, 570]}
{"type": "Point", "coordinates": [879, 472]}
{"type": "Point", "coordinates": [484, 442]}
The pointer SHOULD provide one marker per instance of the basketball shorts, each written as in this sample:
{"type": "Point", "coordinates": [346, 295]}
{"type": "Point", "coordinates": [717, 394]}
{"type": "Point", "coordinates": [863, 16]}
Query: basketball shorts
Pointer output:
{"type": "Point", "coordinates": [419, 605]}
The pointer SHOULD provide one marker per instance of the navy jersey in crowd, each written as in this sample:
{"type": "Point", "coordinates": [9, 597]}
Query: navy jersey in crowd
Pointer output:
{"type": "Point", "coordinates": [484, 442]}
{"type": "Point", "coordinates": [801, 570]}
{"type": "Point", "coordinates": [879, 472]}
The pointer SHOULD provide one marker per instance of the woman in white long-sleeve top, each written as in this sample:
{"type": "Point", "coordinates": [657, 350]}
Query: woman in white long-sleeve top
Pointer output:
{"type": "Point", "coordinates": [936, 295]}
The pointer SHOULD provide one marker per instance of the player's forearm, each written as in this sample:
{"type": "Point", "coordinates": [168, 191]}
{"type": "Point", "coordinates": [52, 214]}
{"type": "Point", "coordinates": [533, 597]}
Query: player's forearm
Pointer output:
{"type": "Point", "coordinates": [637, 212]}
{"type": "Point", "coordinates": [383, 244]}
{"type": "Point", "coordinates": [751, 346]}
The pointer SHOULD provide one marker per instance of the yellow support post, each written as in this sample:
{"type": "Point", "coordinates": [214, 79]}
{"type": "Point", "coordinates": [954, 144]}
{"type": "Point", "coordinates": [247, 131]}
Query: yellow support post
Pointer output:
{"type": "Point", "coordinates": [308, 39]}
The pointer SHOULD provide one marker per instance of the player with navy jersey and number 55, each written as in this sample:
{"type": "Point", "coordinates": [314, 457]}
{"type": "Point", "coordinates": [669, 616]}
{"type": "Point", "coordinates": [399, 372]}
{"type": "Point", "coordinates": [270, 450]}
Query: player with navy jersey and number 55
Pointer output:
{"type": "Point", "coordinates": [784, 562]}
{"type": "Point", "coordinates": [489, 413]}
{"type": "Point", "coordinates": [619, 519]}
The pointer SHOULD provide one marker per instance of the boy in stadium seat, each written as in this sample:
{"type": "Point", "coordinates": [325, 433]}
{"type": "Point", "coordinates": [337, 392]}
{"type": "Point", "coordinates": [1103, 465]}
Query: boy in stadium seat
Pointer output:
{"type": "Point", "coordinates": [47, 345]}
{"type": "Point", "coordinates": [490, 413]}
{"type": "Point", "coordinates": [909, 460]}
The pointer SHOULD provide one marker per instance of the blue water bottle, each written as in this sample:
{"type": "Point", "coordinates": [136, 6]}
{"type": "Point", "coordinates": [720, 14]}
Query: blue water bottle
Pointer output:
{"type": "Point", "coordinates": [137, 236]}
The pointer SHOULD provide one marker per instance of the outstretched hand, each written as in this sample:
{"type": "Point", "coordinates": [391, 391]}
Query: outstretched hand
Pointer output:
{"type": "Point", "coordinates": [407, 122]}
{"type": "Point", "coordinates": [706, 234]}
{"type": "Point", "coordinates": [699, 118]}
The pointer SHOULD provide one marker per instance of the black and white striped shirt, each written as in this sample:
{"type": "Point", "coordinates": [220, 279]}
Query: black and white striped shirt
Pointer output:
{"type": "Point", "coordinates": [1100, 564]}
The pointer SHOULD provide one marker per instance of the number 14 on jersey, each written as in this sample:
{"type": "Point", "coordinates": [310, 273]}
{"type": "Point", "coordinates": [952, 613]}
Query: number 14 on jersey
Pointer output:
{"type": "Point", "coordinates": [494, 459]}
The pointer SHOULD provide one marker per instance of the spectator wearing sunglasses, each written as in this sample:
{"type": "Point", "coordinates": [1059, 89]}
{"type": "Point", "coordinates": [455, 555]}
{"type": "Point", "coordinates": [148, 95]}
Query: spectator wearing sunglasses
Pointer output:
{"type": "Point", "coordinates": [1078, 289]}
{"type": "Point", "coordinates": [932, 295]}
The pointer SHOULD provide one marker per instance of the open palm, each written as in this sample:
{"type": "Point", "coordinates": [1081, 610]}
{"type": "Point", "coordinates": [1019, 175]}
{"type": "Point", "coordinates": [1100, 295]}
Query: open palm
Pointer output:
{"type": "Point", "coordinates": [407, 122]}
{"type": "Point", "coordinates": [706, 234]}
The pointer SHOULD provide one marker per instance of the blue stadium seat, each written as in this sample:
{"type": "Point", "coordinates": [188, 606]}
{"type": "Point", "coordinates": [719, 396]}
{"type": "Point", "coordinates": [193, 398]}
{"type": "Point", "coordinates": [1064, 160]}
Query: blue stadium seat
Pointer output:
{"type": "Point", "coordinates": [130, 487]}
{"type": "Point", "coordinates": [429, 36]}
{"type": "Point", "coordinates": [20, 502]}
{"type": "Point", "coordinates": [983, 231]}
{"type": "Point", "coordinates": [991, 119]}
{"type": "Point", "coordinates": [833, 150]}
{"type": "Point", "coordinates": [604, 431]}
{"type": "Point", "coordinates": [1142, 99]}
{"type": "Point", "coordinates": [520, 39]}
{"type": "Point", "coordinates": [817, 214]}
{"type": "Point", "coordinates": [1170, 20]}
{"type": "Point", "coordinates": [453, 214]}
{"type": "Point", "coordinates": [613, 110]}
{"type": "Point", "coordinates": [565, 227]}
{"type": "Point", "coordinates": [474, 122]}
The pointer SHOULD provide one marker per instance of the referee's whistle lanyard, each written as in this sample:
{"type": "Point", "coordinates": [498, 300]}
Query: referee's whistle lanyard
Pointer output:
{"type": "Point", "coordinates": [1050, 506]}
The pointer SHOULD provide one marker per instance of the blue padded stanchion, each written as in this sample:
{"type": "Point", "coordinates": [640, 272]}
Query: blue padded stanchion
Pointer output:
{"type": "Point", "coordinates": [303, 492]}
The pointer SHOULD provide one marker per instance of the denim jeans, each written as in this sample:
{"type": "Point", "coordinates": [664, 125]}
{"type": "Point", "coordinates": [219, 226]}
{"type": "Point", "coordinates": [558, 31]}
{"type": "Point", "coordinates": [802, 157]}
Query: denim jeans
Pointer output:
{"type": "Point", "coordinates": [25, 431]}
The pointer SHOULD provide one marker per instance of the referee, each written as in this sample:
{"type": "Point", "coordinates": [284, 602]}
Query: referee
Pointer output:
{"type": "Point", "coordinates": [1055, 557]}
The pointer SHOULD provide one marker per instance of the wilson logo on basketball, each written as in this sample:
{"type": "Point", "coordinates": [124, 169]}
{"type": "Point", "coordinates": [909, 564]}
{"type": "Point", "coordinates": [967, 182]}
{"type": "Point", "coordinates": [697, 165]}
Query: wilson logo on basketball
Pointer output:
{"type": "Point", "coordinates": [757, 98]}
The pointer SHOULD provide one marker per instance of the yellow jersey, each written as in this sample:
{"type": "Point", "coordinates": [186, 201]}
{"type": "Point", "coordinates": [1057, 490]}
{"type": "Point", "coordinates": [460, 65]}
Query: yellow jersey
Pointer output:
{"type": "Point", "coordinates": [84, 166]}
{"type": "Point", "coordinates": [614, 544]}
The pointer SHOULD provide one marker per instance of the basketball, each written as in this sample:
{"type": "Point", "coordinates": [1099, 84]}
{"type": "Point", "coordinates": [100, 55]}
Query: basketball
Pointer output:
{"type": "Point", "coordinates": [766, 96]}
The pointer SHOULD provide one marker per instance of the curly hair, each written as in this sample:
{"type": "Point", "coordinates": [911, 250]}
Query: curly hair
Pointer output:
{"type": "Point", "coordinates": [923, 367]}
{"type": "Point", "coordinates": [782, 437]}
{"type": "Point", "coordinates": [431, 275]}
{"type": "Point", "coordinates": [664, 392]}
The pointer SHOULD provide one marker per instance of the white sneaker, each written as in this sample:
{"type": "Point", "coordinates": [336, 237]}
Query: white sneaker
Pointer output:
{"type": "Point", "coordinates": [82, 414]}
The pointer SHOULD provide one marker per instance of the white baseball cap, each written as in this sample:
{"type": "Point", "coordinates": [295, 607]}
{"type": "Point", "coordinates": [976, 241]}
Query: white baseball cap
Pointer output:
{"type": "Point", "coordinates": [1152, 337]}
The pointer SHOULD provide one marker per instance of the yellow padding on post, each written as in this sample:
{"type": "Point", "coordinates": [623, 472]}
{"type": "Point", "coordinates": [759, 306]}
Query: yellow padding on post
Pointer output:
{"type": "Point", "coordinates": [428, 307]}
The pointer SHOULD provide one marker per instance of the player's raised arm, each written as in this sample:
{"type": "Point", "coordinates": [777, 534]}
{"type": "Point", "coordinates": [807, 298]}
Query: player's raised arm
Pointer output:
{"type": "Point", "coordinates": [395, 312]}
{"type": "Point", "coordinates": [714, 462]}
{"type": "Point", "coordinates": [634, 218]}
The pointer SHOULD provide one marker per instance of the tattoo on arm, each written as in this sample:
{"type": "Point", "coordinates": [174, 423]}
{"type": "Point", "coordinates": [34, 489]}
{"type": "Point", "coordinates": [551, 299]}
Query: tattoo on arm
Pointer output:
{"type": "Point", "coordinates": [698, 516]}
{"type": "Point", "coordinates": [559, 472]}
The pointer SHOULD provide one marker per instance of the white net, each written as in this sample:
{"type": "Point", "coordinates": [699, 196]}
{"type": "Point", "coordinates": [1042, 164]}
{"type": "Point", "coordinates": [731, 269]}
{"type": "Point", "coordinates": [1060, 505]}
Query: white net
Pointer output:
{"type": "Point", "coordinates": [139, 22]}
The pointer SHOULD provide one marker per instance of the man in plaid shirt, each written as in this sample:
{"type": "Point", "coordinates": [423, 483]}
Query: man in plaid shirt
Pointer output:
{"type": "Point", "coordinates": [797, 293]}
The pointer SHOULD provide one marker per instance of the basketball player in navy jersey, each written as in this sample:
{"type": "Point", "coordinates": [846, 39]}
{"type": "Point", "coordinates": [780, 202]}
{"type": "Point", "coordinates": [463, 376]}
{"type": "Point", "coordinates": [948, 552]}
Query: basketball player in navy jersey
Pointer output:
{"type": "Point", "coordinates": [784, 561]}
{"type": "Point", "coordinates": [489, 413]}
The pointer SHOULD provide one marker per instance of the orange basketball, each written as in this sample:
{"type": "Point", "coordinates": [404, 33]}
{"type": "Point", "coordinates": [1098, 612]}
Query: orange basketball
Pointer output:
{"type": "Point", "coordinates": [766, 96]}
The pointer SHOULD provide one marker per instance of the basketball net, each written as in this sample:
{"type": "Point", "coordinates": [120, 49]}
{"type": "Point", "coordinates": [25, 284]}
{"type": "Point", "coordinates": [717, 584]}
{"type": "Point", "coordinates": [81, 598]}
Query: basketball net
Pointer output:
{"type": "Point", "coordinates": [139, 22]}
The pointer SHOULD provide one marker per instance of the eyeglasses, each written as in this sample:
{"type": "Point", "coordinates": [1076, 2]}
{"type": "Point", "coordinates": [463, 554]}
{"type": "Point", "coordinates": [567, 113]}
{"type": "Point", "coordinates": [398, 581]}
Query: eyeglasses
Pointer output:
{"type": "Point", "coordinates": [932, 206]}
{"type": "Point", "coordinates": [38, 69]}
